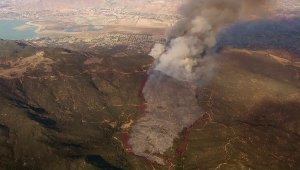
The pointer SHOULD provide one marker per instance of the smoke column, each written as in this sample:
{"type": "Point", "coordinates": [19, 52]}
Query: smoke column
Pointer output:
{"type": "Point", "coordinates": [194, 37]}
{"type": "Point", "coordinates": [179, 67]}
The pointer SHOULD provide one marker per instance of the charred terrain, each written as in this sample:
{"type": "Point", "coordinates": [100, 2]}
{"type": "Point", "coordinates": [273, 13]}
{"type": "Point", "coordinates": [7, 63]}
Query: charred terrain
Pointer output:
{"type": "Point", "coordinates": [107, 89]}
{"type": "Point", "coordinates": [62, 109]}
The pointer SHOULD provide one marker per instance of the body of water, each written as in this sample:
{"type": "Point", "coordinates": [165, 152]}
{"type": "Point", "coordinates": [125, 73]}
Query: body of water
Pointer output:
{"type": "Point", "coordinates": [8, 30]}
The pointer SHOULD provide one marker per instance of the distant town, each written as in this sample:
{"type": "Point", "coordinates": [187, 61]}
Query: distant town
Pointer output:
{"type": "Point", "coordinates": [103, 26]}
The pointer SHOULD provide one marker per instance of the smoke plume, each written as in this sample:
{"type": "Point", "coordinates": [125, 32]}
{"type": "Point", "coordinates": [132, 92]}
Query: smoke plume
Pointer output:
{"type": "Point", "coordinates": [179, 67]}
{"type": "Point", "coordinates": [193, 38]}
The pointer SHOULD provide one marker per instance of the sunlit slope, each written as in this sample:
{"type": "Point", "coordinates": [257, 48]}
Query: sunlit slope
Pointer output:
{"type": "Point", "coordinates": [61, 109]}
{"type": "Point", "coordinates": [66, 110]}
{"type": "Point", "coordinates": [252, 118]}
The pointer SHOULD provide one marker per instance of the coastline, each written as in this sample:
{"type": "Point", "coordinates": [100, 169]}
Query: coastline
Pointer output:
{"type": "Point", "coordinates": [17, 29]}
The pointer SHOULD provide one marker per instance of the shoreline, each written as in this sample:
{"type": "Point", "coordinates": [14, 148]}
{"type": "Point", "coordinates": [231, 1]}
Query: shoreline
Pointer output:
{"type": "Point", "coordinates": [18, 29]}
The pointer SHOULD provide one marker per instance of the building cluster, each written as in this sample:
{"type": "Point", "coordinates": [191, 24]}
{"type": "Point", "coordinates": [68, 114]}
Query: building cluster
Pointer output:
{"type": "Point", "coordinates": [140, 43]}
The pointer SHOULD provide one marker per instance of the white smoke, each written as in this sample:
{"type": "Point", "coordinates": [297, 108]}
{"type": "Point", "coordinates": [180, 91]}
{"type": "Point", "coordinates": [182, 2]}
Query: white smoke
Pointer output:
{"type": "Point", "coordinates": [170, 91]}
{"type": "Point", "coordinates": [193, 38]}
{"type": "Point", "coordinates": [157, 50]}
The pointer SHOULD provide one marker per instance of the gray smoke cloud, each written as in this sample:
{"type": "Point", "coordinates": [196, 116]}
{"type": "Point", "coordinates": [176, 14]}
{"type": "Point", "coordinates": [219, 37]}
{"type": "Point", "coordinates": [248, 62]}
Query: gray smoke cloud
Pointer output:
{"type": "Point", "coordinates": [194, 37]}
{"type": "Point", "coordinates": [180, 65]}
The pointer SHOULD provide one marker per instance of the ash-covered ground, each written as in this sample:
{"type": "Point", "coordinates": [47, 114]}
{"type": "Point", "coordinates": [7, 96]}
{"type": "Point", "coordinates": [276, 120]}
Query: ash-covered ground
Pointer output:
{"type": "Point", "coordinates": [79, 105]}
{"type": "Point", "coordinates": [69, 110]}
{"type": "Point", "coordinates": [171, 107]}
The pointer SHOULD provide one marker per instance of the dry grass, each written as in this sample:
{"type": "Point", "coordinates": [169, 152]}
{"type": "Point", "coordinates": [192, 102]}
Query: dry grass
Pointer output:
{"type": "Point", "coordinates": [16, 68]}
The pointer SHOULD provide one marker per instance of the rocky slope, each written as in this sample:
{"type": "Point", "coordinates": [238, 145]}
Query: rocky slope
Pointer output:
{"type": "Point", "coordinates": [64, 110]}
{"type": "Point", "coordinates": [61, 109]}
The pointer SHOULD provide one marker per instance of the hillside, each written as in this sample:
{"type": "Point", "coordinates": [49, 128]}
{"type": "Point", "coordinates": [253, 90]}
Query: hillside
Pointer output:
{"type": "Point", "coordinates": [65, 109]}
{"type": "Point", "coordinates": [62, 109]}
